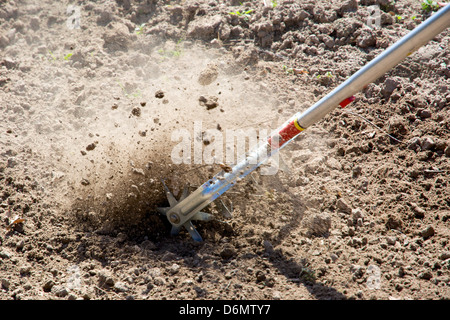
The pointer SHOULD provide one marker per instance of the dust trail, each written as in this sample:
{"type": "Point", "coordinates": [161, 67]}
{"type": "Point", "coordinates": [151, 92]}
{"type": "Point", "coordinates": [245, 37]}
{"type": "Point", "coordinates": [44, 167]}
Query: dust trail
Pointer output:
{"type": "Point", "coordinates": [108, 136]}
{"type": "Point", "coordinates": [100, 113]}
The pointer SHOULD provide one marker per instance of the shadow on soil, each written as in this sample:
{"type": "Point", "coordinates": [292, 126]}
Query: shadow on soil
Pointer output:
{"type": "Point", "coordinates": [150, 240]}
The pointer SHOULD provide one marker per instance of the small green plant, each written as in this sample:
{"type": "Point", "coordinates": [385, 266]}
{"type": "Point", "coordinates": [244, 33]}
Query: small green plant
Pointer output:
{"type": "Point", "coordinates": [172, 53]}
{"type": "Point", "coordinates": [288, 70]}
{"type": "Point", "coordinates": [55, 58]}
{"type": "Point", "coordinates": [307, 274]}
{"type": "Point", "coordinates": [245, 14]}
{"type": "Point", "coordinates": [177, 53]}
{"type": "Point", "coordinates": [328, 75]}
{"type": "Point", "coordinates": [140, 29]}
{"type": "Point", "coordinates": [178, 50]}
{"type": "Point", "coordinates": [325, 79]}
{"type": "Point", "coordinates": [137, 93]}
{"type": "Point", "coordinates": [67, 56]}
{"type": "Point", "coordinates": [52, 55]}
{"type": "Point", "coordinates": [274, 3]}
{"type": "Point", "coordinates": [430, 5]}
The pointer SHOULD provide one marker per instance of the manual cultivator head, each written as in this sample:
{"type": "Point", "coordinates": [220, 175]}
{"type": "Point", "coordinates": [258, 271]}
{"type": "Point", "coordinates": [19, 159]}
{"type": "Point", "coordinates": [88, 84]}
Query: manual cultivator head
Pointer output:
{"type": "Point", "coordinates": [175, 219]}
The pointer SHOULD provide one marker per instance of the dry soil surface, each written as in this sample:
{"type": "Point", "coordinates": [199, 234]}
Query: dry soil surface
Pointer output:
{"type": "Point", "coordinates": [94, 93]}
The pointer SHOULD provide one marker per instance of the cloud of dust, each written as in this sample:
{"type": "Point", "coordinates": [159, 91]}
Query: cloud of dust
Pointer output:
{"type": "Point", "coordinates": [103, 112]}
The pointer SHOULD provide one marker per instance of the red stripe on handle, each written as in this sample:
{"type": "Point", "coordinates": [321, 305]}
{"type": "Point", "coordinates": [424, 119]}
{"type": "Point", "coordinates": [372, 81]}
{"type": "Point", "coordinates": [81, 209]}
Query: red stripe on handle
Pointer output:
{"type": "Point", "coordinates": [284, 135]}
{"type": "Point", "coordinates": [344, 103]}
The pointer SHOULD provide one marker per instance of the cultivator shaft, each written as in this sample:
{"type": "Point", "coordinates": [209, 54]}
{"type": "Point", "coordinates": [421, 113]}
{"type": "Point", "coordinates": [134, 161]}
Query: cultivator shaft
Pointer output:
{"type": "Point", "coordinates": [181, 212]}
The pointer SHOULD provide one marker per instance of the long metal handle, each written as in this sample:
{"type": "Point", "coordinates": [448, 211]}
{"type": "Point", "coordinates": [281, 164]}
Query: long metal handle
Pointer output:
{"type": "Point", "coordinates": [376, 68]}
{"type": "Point", "coordinates": [186, 209]}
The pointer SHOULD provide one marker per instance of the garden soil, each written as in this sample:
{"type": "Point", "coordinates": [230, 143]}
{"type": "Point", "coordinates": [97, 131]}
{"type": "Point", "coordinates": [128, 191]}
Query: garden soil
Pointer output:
{"type": "Point", "coordinates": [97, 95]}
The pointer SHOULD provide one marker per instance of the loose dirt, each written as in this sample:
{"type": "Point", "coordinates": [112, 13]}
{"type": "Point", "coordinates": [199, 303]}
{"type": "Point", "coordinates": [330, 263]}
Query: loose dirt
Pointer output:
{"type": "Point", "coordinates": [95, 96]}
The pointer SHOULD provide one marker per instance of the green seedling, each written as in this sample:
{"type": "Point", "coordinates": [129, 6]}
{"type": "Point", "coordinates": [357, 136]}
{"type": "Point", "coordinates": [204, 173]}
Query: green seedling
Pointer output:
{"type": "Point", "coordinates": [307, 274]}
{"type": "Point", "coordinates": [176, 53]}
{"type": "Point", "coordinates": [172, 53]}
{"type": "Point", "coordinates": [55, 58]}
{"type": "Point", "coordinates": [288, 70]}
{"type": "Point", "coordinates": [178, 50]}
{"type": "Point", "coordinates": [67, 56]}
{"type": "Point", "coordinates": [328, 75]}
{"type": "Point", "coordinates": [137, 93]}
{"type": "Point", "coordinates": [430, 5]}
{"type": "Point", "coordinates": [245, 14]}
{"type": "Point", "coordinates": [274, 3]}
{"type": "Point", "coordinates": [140, 29]}
{"type": "Point", "coordinates": [325, 79]}
{"type": "Point", "coordinates": [52, 55]}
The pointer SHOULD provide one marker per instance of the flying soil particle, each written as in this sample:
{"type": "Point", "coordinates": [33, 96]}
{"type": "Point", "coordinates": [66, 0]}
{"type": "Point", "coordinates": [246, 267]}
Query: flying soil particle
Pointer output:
{"type": "Point", "coordinates": [159, 94]}
{"type": "Point", "coordinates": [90, 147]}
{"type": "Point", "coordinates": [209, 103]}
{"type": "Point", "coordinates": [208, 75]}
{"type": "Point", "coordinates": [136, 112]}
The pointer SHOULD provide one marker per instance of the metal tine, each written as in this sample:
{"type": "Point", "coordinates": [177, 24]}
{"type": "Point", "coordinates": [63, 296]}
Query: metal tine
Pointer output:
{"type": "Point", "coordinates": [185, 193]}
{"type": "Point", "coordinates": [162, 210]}
{"type": "Point", "coordinates": [225, 211]}
{"type": "Point", "coordinates": [169, 195]}
{"type": "Point", "coordinates": [193, 232]}
{"type": "Point", "coordinates": [203, 216]}
{"type": "Point", "coordinates": [175, 230]}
